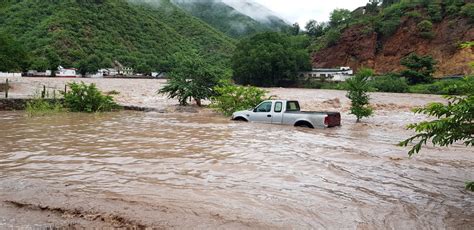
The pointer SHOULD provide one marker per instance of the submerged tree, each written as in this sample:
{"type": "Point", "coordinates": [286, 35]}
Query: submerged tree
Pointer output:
{"type": "Point", "coordinates": [358, 94]}
{"type": "Point", "coordinates": [191, 77]}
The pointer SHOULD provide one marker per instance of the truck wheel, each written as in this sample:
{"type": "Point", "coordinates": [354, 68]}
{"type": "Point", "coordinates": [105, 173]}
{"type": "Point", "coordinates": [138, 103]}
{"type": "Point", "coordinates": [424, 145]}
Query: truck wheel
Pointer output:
{"type": "Point", "coordinates": [304, 124]}
{"type": "Point", "coordinates": [240, 119]}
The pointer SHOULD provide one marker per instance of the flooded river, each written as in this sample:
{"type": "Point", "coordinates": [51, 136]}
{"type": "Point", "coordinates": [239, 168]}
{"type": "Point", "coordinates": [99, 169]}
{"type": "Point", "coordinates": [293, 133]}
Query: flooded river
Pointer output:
{"type": "Point", "coordinates": [199, 170]}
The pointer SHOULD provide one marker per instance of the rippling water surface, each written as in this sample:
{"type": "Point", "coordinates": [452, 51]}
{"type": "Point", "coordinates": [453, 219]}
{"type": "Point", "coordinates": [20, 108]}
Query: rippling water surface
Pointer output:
{"type": "Point", "coordinates": [260, 175]}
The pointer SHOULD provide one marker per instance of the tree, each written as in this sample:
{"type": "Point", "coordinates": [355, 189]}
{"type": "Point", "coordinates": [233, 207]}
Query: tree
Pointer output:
{"type": "Point", "coordinates": [270, 59]}
{"type": "Point", "coordinates": [231, 98]}
{"type": "Point", "coordinates": [454, 122]}
{"type": "Point", "coordinates": [358, 88]}
{"type": "Point", "coordinates": [295, 29]}
{"type": "Point", "coordinates": [89, 65]}
{"type": "Point", "coordinates": [420, 68]}
{"type": "Point", "coordinates": [144, 69]}
{"type": "Point", "coordinates": [192, 77]}
{"type": "Point", "coordinates": [387, 3]}
{"type": "Point", "coordinates": [339, 17]}
{"type": "Point", "coordinates": [12, 55]}
{"type": "Point", "coordinates": [315, 29]}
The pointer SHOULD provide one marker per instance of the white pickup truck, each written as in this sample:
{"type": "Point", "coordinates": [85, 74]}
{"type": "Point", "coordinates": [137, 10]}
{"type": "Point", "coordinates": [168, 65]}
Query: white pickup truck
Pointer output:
{"type": "Point", "coordinates": [288, 113]}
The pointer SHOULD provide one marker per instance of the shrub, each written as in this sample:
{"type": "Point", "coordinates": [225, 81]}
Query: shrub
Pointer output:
{"type": "Point", "coordinates": [358, 88]}
{"type": "Point", "coordinates": [87, 98]}
{"type": "Point", "coordinates": [332, 37]}
{"type": "Point", "coordinates": [420, 68]}
{"type": "Point", "coordinates": [434, 10]}
{"type": "Point", "coordinates": [391, 83]}
{"type": "Point", "coordinates": [232, 98]}
{"type": "Point", "coordinates": [388, 27]}
{"type": "Point", "coordinates": [468, 11]}
{"type": "Point", "coordinates": [425, 28]}
{"type": "Point", "coordinates": [414, 14]}
{"type": "Point", "coordinates": [445, 87]}
{"type": "Point", "coordinates": [41, 107]}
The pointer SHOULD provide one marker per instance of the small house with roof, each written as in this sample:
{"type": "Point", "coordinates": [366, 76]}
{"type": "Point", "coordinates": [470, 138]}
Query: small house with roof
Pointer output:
{"type": "Point", "coordinates": [329, 74]}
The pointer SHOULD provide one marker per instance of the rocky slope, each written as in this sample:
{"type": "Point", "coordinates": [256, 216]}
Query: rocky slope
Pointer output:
{"type": "Point", "coordinates": [358, 48]}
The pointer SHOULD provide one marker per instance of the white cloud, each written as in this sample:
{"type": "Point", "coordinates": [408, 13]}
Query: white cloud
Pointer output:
{"type": "Point", "coordinates": [302, 11]}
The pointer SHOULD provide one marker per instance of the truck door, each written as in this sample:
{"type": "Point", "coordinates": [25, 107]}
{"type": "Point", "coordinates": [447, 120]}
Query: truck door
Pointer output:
{"type": "Point", "coordinates": [277, 115]}
{"type": "Point", "coordinates": [263, 113]}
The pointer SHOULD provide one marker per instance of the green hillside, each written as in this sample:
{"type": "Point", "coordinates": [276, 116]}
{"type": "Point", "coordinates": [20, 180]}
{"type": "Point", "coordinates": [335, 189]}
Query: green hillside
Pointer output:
{"type": "Point", "coordinates": [227, 19]}
{"type": "Point", "coordinates": [69, 31]}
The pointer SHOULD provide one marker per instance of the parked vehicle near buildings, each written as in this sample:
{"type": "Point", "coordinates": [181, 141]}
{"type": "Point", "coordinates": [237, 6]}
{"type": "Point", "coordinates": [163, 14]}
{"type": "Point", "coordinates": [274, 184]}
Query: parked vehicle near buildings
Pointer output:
{"type": "Point", "coordinates": [288, 112]}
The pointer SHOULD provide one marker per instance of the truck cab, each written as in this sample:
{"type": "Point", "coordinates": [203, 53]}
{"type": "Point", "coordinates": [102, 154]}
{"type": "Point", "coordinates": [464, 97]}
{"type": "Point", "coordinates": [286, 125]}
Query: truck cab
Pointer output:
{"type": "Point", "coordinates": [287, 112]}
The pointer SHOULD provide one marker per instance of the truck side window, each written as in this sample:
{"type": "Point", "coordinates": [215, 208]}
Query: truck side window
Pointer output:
{"type": "Point", "coordinates": [278, 107]}
{"type": "Point", "coordinates": [292, 106]}
{"type": "Point", "coordinates": [264, 107]}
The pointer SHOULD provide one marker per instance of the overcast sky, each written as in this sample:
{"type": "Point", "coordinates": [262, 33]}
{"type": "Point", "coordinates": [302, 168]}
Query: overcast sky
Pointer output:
{"type": "Point", "coordinates": [302, 11]}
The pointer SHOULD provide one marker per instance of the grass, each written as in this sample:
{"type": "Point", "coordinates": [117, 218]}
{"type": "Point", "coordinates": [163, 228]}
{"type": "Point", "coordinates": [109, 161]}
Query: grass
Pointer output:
{"type": "Point", "coordinates": [42, 107]}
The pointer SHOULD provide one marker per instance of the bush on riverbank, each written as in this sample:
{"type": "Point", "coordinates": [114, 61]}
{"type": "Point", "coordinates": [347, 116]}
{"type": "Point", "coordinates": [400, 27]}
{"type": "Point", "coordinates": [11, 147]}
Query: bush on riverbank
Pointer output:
{"type": "Point", "coordinates": [444, 87]}
{"type": "Point", "coordinates": [232, 98]}
{"type": "Point", "coordinates": [391, 83]}
{"type": "Point", "coordinates": [87, 98]}
{"type": "Point", "coordinates": [42, 107]}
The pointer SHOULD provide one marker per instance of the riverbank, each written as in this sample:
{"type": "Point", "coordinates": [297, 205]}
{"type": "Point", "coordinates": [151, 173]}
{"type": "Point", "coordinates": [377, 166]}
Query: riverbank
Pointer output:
{"type": "Point", "coordinates": [143, 93]}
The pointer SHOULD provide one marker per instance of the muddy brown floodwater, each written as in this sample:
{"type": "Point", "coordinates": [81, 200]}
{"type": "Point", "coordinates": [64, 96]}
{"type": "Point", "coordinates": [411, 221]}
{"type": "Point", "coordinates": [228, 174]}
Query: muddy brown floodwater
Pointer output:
{"type": "Point", "coordinates": [200, 170]}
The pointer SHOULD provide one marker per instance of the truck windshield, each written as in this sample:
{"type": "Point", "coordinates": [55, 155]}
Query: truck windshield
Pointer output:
{"type": "Point", "coordinates": [292, 106]}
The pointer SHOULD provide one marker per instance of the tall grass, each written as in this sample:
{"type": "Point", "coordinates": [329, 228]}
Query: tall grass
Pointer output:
{"type": "Point", "coordinates": [41, 107]}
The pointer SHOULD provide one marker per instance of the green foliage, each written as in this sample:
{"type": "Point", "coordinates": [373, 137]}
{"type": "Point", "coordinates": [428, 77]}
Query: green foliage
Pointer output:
{"type": "Point", "coordinates": [358, 88]}
{"type": "Point", "coordinates": [270, 59]}
{"type": "Point", "coordinates": [470, 186]}
{"type": "Point", "coordinates": [231, 98]}
{"type": "Point", "coordinates": [67, 32]}
{"type": "Point", "coordinates": [192, 77]}
{"type": "Point", "coordinates": [468, 11]}
{"type": "Point", "coordinates": [13, 57]}
{"type": "Point", "coordinates": [89, 65]}
{"type": "Point", "coordinates": [42, 107]}
{"type": "Point", "coordinates": [87, 98]}
{"type": "Point", "coordinates": [317, 84]}
{"type": "Point", "coordinates": [387, 3]}
{"type": "Point", "coordinates": [332, 37]}
{"type": "Point", "coordinates": [445, 87]}
{"type": "Point", "coordinates": [228, 20]}
{"type": "Point", "coordinates": [391, 83]}
{"type": "Point", "coordinates": [454, 122]}
{"type": "Point", "coordinates": [420, 68]}
{"type": "Point", "coordinates": [315, 29]}
{"type": "Point", "coordinates": [434, 10]}
{"type": "Point", "coordinates": [425, 28]}
{"type": "Point", "coordinates": [339, 17]}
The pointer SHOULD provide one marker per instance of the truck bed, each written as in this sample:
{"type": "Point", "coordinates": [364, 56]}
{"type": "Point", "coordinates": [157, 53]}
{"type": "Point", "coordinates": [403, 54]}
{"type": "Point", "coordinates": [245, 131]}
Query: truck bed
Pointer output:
{"type": "Point", "coordinates": [333, 119]}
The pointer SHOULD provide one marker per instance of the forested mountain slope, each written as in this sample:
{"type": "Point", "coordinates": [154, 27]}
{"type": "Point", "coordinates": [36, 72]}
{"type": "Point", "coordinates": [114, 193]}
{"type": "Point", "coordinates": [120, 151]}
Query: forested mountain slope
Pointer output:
{"type": "Point", "coordinates": [139, 34]}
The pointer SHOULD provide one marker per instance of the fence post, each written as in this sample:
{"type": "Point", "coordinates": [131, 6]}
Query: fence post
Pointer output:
{"type": "Point", "coordinates": [43, 94]}
{"type": "Point", "coordinates": [6, 89]}
{"type": "Point", "coordinates": [65, 89]}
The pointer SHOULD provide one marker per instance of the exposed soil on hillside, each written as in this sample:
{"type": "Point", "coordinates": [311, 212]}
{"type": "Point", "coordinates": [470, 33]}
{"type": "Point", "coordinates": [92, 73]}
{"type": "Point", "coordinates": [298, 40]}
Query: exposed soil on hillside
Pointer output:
{"type": "Point", "coordinates": [361, 47]}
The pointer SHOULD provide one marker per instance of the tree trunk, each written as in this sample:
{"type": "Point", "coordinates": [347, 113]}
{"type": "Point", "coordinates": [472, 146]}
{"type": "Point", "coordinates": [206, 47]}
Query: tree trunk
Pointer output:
{"type": "Point", "coordinates": [198, 102]}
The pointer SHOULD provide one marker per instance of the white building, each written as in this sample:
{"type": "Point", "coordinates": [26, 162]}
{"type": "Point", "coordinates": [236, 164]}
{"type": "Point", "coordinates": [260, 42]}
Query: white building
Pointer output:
{"type": "Point", "coordinates": [64, 72]}
{"type": "Point", "coordinates": [3, 74]}
{"type": "Point", "coordinates": [341, 74]}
